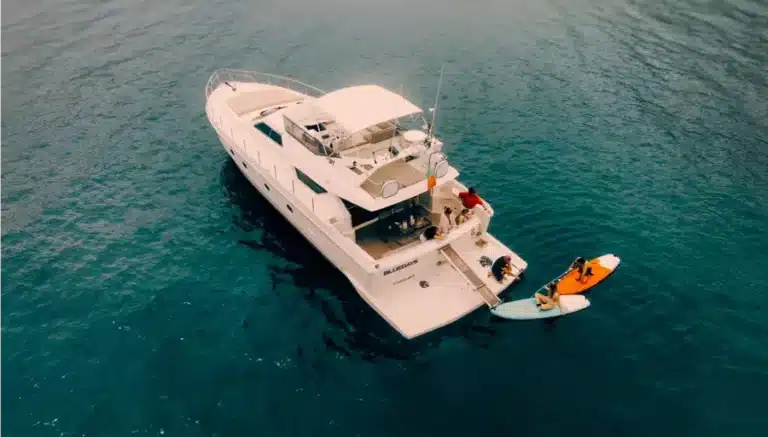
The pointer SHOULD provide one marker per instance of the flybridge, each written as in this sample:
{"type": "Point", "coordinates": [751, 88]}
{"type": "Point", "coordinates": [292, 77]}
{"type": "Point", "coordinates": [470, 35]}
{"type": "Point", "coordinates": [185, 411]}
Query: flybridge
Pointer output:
{"type": "Point", "coordinates": [347, 118]}
{"type": "Point", "coordinates": [386, 160]}
{"type": "Point", "coordinates": [360, 107]}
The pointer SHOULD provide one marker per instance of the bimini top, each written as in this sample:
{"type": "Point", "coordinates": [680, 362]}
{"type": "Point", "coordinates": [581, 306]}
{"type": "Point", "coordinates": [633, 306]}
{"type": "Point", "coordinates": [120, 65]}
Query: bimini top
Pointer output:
{"type": "Point", "coordinates": [359, 107]}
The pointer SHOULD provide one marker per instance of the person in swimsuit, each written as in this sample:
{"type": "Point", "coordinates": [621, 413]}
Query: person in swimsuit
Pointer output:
{"type": "Point", "coordinates": [580, 265]}
{"type": "Point", "coordinates": [550, 300]}
{"type": "Point", "coordinates": [586, 275]}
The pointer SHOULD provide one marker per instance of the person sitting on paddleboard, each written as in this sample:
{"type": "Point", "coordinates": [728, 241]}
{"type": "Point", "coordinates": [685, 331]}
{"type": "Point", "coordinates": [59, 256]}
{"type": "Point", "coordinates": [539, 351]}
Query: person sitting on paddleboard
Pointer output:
{"type": "Point", "coordinates": [548, 301]}
{"type": "Point", "coordinates": [501, 268]}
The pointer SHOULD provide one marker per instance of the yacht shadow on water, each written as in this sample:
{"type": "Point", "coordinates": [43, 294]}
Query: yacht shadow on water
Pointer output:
{"type": "Point", "coordinates": [355, 329]}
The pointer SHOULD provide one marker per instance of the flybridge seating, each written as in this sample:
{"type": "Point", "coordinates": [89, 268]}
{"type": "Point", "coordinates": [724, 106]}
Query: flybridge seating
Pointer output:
{"type": "Point", "coordinates": [321, 134]}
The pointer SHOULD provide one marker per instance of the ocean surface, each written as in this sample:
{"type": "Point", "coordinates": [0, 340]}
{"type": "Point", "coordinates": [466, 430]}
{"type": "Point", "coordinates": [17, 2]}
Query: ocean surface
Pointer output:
{"type": "Point", "coordinates": [148, 289]}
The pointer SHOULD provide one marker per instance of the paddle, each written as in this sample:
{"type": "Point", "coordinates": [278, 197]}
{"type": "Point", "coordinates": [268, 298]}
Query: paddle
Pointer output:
{"type": "Point", "coordinates": [558, 277]}
{"type": "Point", "coordinates": [540, 288]}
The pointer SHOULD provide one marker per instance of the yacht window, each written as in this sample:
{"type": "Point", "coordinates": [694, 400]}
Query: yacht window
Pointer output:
{"type": "Point", "coordinates": [268, 131]}
{"type": "Point", "coordinates": [320, 127]}
{"type": "Point", "coordinates": [314, 186]}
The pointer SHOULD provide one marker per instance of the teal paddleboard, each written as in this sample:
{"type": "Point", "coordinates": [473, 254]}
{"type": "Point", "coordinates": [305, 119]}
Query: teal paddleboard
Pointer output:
{"type": "Point", "coordinates": [526, 309]}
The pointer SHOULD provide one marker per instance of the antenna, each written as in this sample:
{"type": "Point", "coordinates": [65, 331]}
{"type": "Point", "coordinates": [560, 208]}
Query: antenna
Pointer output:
{"type": "Point", "coordinates": [434, 108]}
{"type": "Point", "coordinates": [394, 133]}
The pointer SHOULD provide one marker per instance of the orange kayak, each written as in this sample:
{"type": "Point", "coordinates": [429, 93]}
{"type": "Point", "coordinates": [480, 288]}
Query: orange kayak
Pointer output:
{"type": "Point", "coordinates": [602, 267]}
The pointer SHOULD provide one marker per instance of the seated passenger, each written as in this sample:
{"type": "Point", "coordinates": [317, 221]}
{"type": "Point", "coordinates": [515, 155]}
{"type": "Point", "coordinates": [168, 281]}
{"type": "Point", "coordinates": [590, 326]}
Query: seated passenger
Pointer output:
{"type": "Point", "coordinates": [548, 301]}
{"type": "Point", "coordinates": [463, 216]}
{"type": "Point", "coordinates": [501, 268]}
{"type": "Point", "coordinates": [445, 220]}
{"type": "Point", "coordinates": [432, 233]}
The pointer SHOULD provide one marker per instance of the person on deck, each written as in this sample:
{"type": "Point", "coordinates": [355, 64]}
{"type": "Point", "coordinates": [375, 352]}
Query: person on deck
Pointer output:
{"type": "Point", "coordinates": [501, 268]}
{"type": "Point", "coordinates": [470, 199]}
{"type": "Point", "coordinates": [432, 233]}
{"type": "Point", "coordinates": [463, 216]}
{"type": "Point", "coordinates": [445, 220]}
{"type": "Point", "coordinates": [550, 300]}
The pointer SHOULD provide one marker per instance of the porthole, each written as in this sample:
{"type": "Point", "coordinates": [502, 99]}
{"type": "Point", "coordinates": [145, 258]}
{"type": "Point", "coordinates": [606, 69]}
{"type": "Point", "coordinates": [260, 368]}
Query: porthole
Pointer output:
{"type": "Point", "coordinates": [231, 152]}
{"type": "Point", "coordinates": [289, 208]}
{"type": "Point", "coordinates": [245, 165]}
{"type": "Point", "coordinates": [266, 186]}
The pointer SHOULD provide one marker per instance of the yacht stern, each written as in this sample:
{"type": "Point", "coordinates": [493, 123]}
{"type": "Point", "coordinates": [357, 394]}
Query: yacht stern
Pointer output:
{"type": "Point", "coordinates": [422, 294]}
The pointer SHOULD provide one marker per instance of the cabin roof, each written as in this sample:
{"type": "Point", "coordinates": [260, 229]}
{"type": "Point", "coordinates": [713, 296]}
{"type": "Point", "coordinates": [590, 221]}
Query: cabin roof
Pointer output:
{"type": "Point", "coordinates": [359, 107]}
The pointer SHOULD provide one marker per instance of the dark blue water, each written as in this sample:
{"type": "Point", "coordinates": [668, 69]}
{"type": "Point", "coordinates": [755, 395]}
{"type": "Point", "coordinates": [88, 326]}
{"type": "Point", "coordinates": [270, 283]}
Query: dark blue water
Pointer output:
{"type": "Point", "coordinates": [147, 289]}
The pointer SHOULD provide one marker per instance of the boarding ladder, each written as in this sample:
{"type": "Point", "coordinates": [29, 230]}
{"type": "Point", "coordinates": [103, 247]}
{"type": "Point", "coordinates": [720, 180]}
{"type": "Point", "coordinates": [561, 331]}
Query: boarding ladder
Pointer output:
{"type": "Point", "coordinates": [479, 286]}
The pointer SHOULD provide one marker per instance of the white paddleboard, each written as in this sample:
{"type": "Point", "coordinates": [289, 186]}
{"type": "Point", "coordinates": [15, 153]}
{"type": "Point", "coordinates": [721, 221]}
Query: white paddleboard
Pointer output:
{"type": "Point", "coordinates": [526, 309]}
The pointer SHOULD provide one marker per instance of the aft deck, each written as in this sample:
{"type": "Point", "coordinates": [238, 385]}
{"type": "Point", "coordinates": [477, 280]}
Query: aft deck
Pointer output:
{"type": "Point", "coordinates": [380, 239]}
{"type": "Point", "coordinates": [486, 245]}
{"type": "Point", "coordinates": [378, 249]}
{"type": "Point", "coordinates": [460, 284]}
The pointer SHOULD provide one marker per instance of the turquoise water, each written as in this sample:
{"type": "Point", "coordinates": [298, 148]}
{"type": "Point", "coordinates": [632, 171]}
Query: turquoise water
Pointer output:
{"type": "Point", "coordinates": [147, 289]}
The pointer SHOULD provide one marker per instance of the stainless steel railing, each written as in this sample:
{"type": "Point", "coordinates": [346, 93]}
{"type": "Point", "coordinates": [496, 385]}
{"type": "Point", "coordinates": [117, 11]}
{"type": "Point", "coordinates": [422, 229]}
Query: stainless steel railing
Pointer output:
{"type": "Point", "coordinates": [233, 75]}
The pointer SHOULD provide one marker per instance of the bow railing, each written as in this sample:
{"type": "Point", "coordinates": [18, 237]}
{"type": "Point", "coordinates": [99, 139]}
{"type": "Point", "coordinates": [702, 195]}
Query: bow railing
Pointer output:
{"type": "Point", "coordinates": [231, 76]}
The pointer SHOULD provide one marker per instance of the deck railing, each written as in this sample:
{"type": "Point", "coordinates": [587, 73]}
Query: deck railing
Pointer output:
{"type": "Point", "coordinates": [233, 75]}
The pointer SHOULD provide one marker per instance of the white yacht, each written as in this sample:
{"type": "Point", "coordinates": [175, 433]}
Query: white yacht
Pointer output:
{"type": "Point", "coordinates": [359, 173]}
